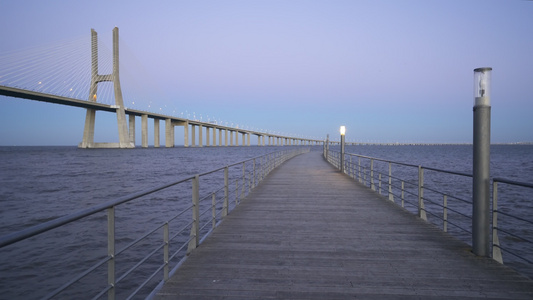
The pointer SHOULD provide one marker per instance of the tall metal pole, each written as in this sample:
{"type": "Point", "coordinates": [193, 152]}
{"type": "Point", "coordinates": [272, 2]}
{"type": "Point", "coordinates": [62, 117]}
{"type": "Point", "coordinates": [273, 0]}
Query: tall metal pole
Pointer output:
{"type": "Point", "coordinates": [343, 131]}
{"type": "Point", "coordinates": [481, 167]}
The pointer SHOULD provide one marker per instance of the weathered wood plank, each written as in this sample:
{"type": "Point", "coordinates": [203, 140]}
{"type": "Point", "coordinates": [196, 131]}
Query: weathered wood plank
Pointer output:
{"type": "Point", "coordinates": [309, 232]}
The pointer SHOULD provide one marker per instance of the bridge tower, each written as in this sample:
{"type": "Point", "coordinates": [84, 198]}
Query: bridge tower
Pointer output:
{"type": "Point", "coordinates": [88, 132]}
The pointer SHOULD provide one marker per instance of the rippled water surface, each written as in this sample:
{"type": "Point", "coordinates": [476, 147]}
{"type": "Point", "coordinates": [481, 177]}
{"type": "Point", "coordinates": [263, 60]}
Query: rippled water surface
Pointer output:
{"type": "Point", "coordinates": [38, 184]}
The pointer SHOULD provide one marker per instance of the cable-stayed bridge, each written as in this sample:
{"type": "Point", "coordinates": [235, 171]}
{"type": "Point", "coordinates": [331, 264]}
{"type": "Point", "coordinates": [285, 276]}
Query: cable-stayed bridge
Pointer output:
{"type": "Point", "coordinates": [76, 74]}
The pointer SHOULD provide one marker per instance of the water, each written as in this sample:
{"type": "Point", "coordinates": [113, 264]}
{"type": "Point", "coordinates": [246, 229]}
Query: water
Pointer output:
{"type": "Point", "coordinates": [38, 184]}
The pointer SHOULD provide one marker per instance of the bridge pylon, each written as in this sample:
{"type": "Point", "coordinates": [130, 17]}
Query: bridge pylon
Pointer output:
{"type": "Point", "coordinates": [90, 118]}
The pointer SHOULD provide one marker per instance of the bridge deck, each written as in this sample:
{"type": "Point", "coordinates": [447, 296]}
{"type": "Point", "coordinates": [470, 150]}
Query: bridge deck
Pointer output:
{"type": "Point", "coordinates": [309, 232]}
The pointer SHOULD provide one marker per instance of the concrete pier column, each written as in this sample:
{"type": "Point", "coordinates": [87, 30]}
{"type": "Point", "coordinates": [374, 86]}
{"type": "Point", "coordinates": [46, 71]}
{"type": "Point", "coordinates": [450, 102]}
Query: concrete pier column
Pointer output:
{"type": "Point", "coordinates": [169, 133]}
{"type": "Point", "coordinates": [207, 132]}
{"type": "Point", "coordinates": [131, 119]}
{"type": "Point", "coordinates": [220, 137]}
{"type": "Point", "coordinates": [144, 131]}
{"type": "Point", "coordinates": [193, 135]}
{"type": "Point", "coordinates": [156, 133]}
{"type": "Point", "coordinates": [226, 137]}
{"type": "Point", "coordinates": [231, 138]}
{"type": "Point", "coordinates": [214, 136]}
{"type": "Point", "coordinates": [200, 136]}
{"type": "Point", "coordinates": [236, 139]}
{"type": "Point", "coordinates": [186, 134]}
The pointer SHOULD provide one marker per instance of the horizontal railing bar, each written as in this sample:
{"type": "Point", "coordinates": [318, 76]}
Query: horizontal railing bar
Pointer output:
{"type": "Point", "coordinates": [139, 239]}
{"type": "Point", "coordinates": [523, 184]}
{"type": "Point", "coordinates": [515, 255]}
{"type": "Point", "coordinates": [181, 230]}
{"type": "Point", "coordinates": [457, 226]}
{"type": "Point", "coordinates": [469, 202]}
{"type": "Point", "coordinates": [181, 213]}
{"type": "Point", "coordinates": [145, 282]}
{"type": "Point", "coordinates": [77, 278]}
{"type": "Point", "coordinates": [514, 217]}
{"type": "Point", "coordinates": [448, 171]}
{"type": "Point", "coordinates": [410, 165]}
{"type": "Point", "coordinates": [515, 236]}
{"type": "Point", "coordinates": [38, 229]}
{"type": "Point", "coordinates": [379, 159]}
{"type": "Point", "coordinates": [107, 288]}
{"type": "Point", "coordinates": [139, 263]}
{"type": "Point", "coordinates": [459, 213]}
{"type": "Point", "coordinates": [206, 224]}
{"type": "Point", "coordinates": [181, 248]}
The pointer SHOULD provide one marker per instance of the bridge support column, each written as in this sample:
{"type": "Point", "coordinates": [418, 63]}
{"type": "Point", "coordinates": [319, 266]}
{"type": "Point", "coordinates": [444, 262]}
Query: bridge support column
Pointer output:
{"type": "Point", "coordinates": [193, 136]}
{"type": "Point", "coordinates": [88, 131]}
{"type": "Point", "coordinates": [144, 131]}
{"type": "Point", "coordinates": [131, 119]}
{"type": "Point", "coordinates": [207, 133]}
{"type": "Point", "coordinates": [186, 134]}
{"type": "Point", "coordinates": [200, 136]}
{"type": "Point", "coordinates": [220, 137]}
{"type": "Point", "coordinates": [169, 133]}
{"type": "Point", "coordinates": [231, 138]}
{"type": "Point", "coordinates": [156, 133]}
{"type": "Point", "coordinates": [226, 138]}
{"type": "Point", "coordinates": [214, 136]}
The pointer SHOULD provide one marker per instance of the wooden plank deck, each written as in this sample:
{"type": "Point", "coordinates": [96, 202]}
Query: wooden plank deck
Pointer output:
{"type": "Point", "coordinates": [310, 232]}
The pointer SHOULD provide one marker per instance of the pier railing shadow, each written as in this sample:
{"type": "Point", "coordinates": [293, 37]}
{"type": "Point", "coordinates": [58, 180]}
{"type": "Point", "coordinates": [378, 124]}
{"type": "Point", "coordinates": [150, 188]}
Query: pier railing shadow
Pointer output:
{"type": "Point", "coordinates": [444, 198]}
{"type": "Point", "coordinates": [179, 216]}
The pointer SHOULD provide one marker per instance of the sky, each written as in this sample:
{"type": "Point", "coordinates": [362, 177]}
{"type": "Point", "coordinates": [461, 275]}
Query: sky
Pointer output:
{"type": "Point", "coordinates": [388, 70]}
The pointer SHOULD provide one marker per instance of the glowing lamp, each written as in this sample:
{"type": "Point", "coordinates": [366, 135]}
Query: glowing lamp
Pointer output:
{"type": "Point", "coordinates": [482, 77]}
{"type": "Point", "coordinates": [343, 130]}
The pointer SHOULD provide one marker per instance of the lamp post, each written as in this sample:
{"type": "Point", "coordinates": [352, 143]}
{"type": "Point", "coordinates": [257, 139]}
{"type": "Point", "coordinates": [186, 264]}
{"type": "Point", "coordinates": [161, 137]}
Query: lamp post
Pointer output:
{"type": "Point", "coordinates": [343, 131]}
{"type": "Point", "coordinates": [481, 168]}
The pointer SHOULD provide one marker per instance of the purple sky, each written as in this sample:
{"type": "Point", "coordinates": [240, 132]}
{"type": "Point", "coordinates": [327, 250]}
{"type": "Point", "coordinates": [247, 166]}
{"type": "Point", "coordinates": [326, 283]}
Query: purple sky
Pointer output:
{"type": "Point", "coordinates": [390, 71]}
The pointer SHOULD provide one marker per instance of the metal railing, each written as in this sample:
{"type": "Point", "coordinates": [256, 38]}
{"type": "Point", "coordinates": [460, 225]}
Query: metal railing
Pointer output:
{"type": "Point", "coordinates": [519, 242]}
{"type": "Point", "coordinates": [214, 194]}
{"type": "Point", "coordinates": [443, 198]}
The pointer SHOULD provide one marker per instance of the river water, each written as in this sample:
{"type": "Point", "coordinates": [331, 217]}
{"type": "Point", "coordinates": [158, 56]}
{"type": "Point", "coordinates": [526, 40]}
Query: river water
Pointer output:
{"type": "Point", "coordinates": [38, 184]}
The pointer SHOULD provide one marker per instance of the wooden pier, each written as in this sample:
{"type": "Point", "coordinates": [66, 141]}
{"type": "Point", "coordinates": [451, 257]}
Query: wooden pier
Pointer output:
{"type": "Point", "coordinates": [310, 232]}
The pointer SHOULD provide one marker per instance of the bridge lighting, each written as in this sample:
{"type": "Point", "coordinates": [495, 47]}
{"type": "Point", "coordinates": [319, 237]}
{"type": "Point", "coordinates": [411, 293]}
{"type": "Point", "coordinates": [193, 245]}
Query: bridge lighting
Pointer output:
{"type": "Point", "coordinates": [343, 132]}
{"type": "Point", "coordinates": [482, 78]}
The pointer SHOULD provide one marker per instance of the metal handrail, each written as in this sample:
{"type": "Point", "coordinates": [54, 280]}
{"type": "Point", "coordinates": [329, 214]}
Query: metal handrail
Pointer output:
{"type": "Point", "coordinates": [496, 246]}
{"type": "Point", "coordinates": [356, 170]}
{"type": "Point", "coordinates": [249, 179]}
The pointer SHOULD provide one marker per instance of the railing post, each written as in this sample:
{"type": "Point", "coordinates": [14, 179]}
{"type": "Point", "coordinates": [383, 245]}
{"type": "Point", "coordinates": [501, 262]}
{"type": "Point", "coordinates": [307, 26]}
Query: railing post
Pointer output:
{"type": "Point", "coordinates": [226, 193]}
{"type": "Point", "coordinates": [243, 181]}
{"type": "Point", "coordinates": [403, 200]}
{"type": "Point", "coordinates": [111, 252]}
{"type": "Point", "coordinates": [195, 214]}
{"type": "Point", "coordinates": [379, 179]}
{"type": "Point", "coordinates": [350, 170]}
{"type": "Point", "coordinates": [421, 209]}
{"type": "Point", "coordinates": [391, 196]}
{"type": "Point", "coordinates": [445, 213]}
{"type": "Point", "coordinates": [166, 251]}
{"type": "Point", "coordinates": [237, 192]}
{"type": "Point", "coordinates": [359, 167]}
{"type": "Point", "coordinates": [496, 251]}
{"type": "Point", "coordinates": [253, 179]}
{"type": "Point", "coordinates": [372, 186]}
{"type": "Point", "coordinates": [214, 209]}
